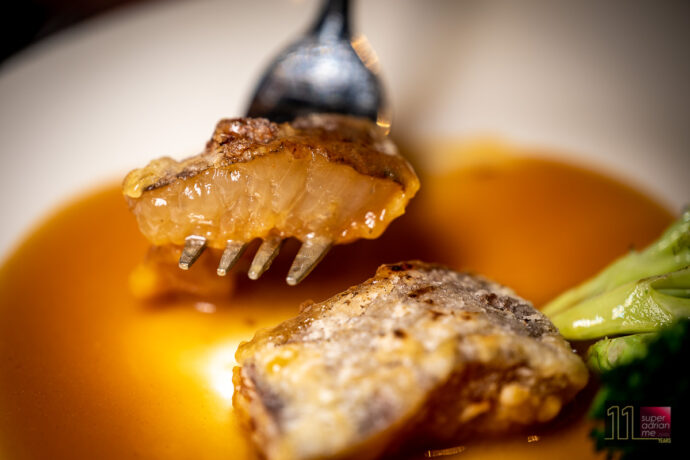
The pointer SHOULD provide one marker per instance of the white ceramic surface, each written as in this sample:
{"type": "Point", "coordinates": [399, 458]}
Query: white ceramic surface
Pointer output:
{"type": "Point", "coordinates": [604, 82]}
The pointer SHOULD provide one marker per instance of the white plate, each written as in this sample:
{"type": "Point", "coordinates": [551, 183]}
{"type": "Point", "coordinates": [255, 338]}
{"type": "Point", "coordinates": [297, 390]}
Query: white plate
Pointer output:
{"type": "Point", "coordinates": [604, 82]}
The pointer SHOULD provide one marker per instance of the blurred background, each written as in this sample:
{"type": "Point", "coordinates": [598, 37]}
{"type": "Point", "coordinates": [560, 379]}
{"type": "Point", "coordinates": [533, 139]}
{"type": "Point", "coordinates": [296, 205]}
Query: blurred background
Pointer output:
{"type": "Point", "coordinates": [27, 21]}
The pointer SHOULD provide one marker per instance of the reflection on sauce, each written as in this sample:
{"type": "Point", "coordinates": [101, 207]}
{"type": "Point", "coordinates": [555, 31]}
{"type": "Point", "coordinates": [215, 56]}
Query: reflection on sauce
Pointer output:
{"type": "Point", "coordinates": [86, 371]}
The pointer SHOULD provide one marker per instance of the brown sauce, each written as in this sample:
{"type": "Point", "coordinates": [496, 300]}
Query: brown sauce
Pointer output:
{"type": "Point", "coordinates": [87, 371]}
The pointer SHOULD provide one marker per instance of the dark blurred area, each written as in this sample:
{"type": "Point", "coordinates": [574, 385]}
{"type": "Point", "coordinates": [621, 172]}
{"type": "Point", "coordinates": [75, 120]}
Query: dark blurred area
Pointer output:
{"type": "Point", "coordinates": [27, 21]}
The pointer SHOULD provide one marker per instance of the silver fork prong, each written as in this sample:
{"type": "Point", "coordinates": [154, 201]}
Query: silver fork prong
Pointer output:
{"type": "Point", "coordinates": [308, 256]}
{"type": "Point", "coordinates": [232, 253]}
{"type": "Point", "coordinates": [193, 247]}
{"type": "Point", "coordinates": [264, 256]}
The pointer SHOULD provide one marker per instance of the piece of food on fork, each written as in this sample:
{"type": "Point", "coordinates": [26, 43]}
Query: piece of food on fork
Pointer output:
{"type": "Point", "coordinates": [324, 179]}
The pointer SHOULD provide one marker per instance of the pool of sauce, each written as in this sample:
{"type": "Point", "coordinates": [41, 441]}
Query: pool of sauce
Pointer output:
{"type": "Point", "coordinates": [88, 371]}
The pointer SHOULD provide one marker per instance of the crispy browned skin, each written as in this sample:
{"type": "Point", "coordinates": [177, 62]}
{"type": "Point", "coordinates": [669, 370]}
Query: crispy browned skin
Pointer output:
{"type": "Point", "coordinates": [419, 352]}
{"type": "Point", "coordinates": [329, 176]}
{"type": "Point", "coordinates": [354, 142]}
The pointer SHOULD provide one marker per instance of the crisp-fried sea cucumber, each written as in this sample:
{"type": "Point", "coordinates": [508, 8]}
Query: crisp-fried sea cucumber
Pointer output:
{"type": "Point", "coordinates": [417, 353]}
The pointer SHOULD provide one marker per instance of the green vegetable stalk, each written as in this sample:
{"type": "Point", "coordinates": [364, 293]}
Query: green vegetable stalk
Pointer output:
{"type": "Point", "coordinates": [640, 292]}
{"type": "Point", "coordinates": [669, 253]}
{"type": "Point", "coordinates": [641, 306]}
{"type": "Point", "coordinates": [609, 353]}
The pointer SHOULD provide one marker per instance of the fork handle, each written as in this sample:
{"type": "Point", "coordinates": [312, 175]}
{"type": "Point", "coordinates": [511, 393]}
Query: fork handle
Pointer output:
{"type": "Point", "coordinates": [333, 22]}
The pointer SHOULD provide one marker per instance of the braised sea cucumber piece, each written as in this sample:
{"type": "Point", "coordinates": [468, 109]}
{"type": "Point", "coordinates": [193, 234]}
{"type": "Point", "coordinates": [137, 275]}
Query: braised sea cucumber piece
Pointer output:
{"type": "Point", "coordinates": [323, 179]}
{"type": "Point", "coordinates": [418, 352]}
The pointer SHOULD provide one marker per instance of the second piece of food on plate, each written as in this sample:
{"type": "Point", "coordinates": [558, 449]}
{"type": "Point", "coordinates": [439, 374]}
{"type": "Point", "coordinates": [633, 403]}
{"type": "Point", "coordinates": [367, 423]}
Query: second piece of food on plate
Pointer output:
{"type": "Point", "coordinates": [418, 352]}
{"type": "Point", "coordinates": [323, 179]}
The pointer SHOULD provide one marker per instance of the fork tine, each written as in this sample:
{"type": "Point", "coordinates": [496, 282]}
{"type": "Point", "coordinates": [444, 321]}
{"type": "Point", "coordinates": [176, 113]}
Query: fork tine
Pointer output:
{"type": "Point", "coordinates": [308, 256]}
{"type": "Point", "coordinates": [231, 254]}
{"type": "Point", "coordinates": [193, 247]}
{"type": "Point", "coordinates": [264, 256]}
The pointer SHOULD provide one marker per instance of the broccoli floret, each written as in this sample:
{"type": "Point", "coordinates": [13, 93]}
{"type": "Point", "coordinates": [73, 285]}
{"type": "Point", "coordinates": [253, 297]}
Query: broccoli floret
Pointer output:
{"type": "Point", "coordinates": [659, 377]}
{"type": "Point", "coordinates": [669, 253]}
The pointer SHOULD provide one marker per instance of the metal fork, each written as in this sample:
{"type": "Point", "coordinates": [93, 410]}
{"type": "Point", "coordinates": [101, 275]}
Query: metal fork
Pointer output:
{"type": "Point", "coordinates": [324, 71]}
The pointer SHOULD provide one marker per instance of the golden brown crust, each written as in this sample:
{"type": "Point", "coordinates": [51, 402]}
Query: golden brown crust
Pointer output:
{"type": "Point", "coordinates": [355, 142]}
{"type": "Point", "coordinates": [246, 400]}
{"type": "Point", "coordinates": [417, 354]}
